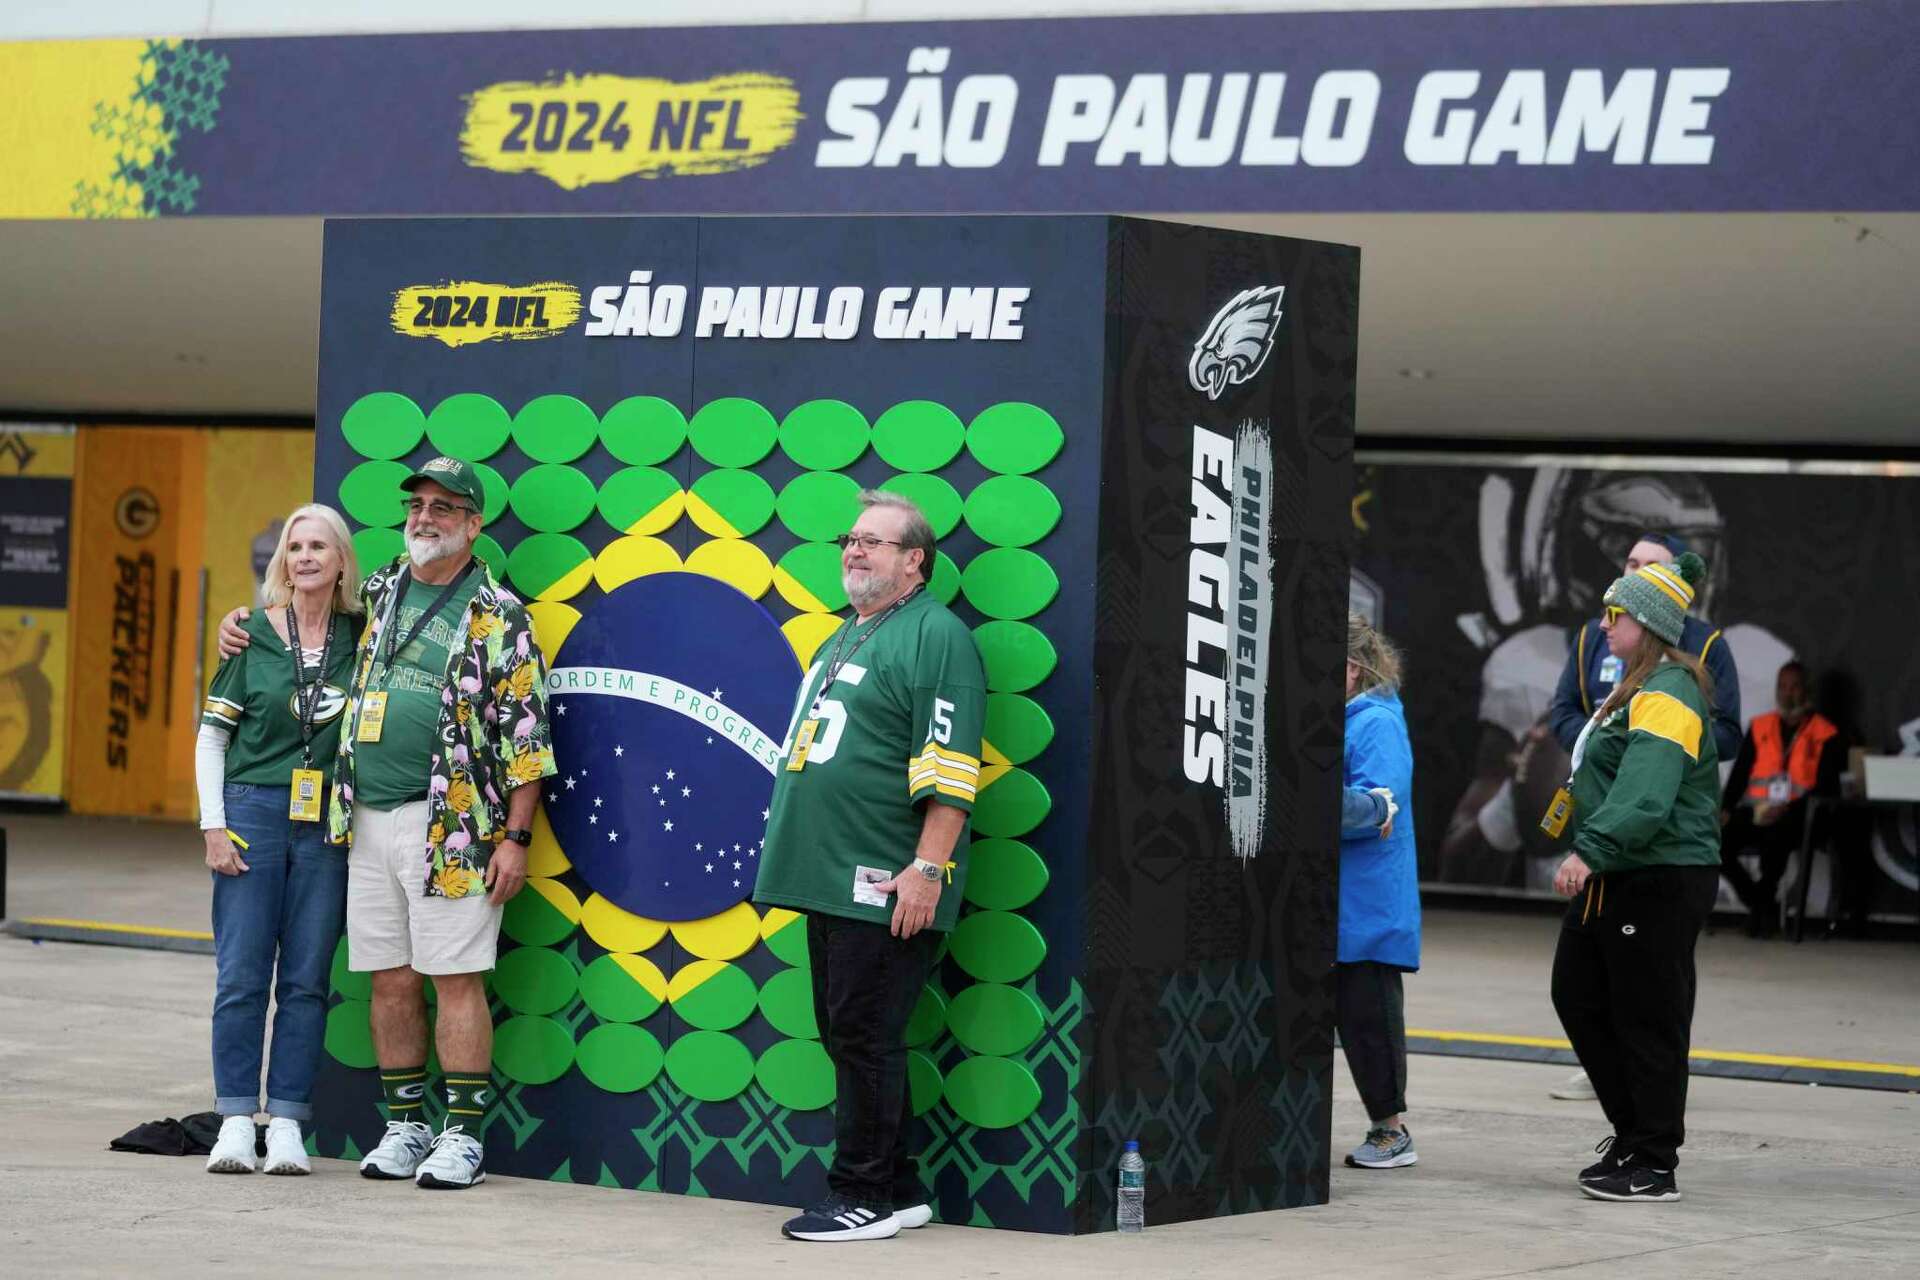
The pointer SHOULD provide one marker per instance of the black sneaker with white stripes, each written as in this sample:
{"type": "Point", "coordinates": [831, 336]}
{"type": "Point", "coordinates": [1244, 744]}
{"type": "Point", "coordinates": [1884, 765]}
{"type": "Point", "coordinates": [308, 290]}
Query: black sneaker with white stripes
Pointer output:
{"type": "Point", "coordinates": [837, 1218]}
{"type": "Point", "coordinates": [1633, 1182]}
{"type": "Point", "coordinates": [1610, 1159]}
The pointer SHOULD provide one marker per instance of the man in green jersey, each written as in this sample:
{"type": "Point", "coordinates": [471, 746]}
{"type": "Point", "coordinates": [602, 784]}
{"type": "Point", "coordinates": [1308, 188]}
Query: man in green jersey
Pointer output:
{"type": "Point", "coordinates": [444, 741]}
{"type": "Point", "coordinates": [867, 834]}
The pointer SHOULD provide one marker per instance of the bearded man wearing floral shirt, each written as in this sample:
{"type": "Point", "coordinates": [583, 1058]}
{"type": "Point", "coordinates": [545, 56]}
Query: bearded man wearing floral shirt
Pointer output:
{"type": "Point", "coordinates": [442, 748]}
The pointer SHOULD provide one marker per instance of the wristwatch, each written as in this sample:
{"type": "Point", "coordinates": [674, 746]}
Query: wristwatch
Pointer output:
{"type": "Point", "coordinates": [520, 836]}
{"type": "Point", "coordinates": [929, 870]}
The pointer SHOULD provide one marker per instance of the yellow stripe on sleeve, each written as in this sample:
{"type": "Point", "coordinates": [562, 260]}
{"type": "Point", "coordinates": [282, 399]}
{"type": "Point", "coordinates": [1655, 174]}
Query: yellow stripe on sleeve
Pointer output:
{"type": "Point", "coordinates": [1665, 716]}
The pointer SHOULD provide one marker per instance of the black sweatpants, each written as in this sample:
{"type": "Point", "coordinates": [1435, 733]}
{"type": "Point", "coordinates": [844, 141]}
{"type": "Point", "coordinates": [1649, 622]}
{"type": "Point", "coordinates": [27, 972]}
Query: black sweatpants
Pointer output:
{"type": "Point", "coordinates": [1369, 1008]}
{"type": "Point", "coordinates": [1623, 984]}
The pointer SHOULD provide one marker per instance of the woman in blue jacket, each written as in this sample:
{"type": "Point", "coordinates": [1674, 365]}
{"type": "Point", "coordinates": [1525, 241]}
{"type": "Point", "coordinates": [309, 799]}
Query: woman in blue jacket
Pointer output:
{"type": "Point", "coordinates": [1379, 900]}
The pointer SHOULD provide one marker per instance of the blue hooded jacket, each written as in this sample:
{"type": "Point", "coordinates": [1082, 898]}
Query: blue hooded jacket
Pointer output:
{"type": "Point", "coordinates": [1379, 878]}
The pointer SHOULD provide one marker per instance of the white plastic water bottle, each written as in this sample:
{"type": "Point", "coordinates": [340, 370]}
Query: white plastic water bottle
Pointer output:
{"type": "Point", "coordinates": [1130, 1212]}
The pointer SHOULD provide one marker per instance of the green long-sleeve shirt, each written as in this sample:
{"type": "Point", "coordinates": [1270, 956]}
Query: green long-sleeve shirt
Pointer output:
{"type": "Point", "coordinates": [1647, 793]}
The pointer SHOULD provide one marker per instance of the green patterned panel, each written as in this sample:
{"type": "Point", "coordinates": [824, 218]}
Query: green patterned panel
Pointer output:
{"type": "Point", "coordinates": [349, 1037]}
{"type": "Point", "coordinates": [938, 501]}
{"type": "Point", "coordinates": [614, 993]}
{"type": "Point", "coordinates": [1015, 804]}
{"type": "Point", "coordinates": [918, 435]}
{"type": "Point", "coordinates": [354, 986]}
{"type": "Point", "coordinates": [808, 578]}
{"type": "Point", "coordinates": [535, 980]}
{"type": "Point", "coordinates": [1014, 438]}
{"type": "Point", "coordinates": [732, 432]}
{"type": "Point", "coordinates": [824, 435]}
{"type": "Point", "coordinates": [375, 547]}
{"type": "Point", "coordinates": [370, 494]}
{"type": "Point", "coordinates": [550, 566]}
{"type": "Point", "coordinates": [640, 500]}
{"type": "Point", "coordinates": [555, 428]}
{"type": "Point", "coordinates": [532, 1050]}
{"type": "Point", "coordinates": [469, 426]}
{"type": "Point", "coordinates": [998, 946]}
{"type": "Point", "coordinates": [1004, 875]}
{"type": "Point", "coordinates": [946, 578]}
{"type": "Point", "coordinates": [710, 1065]}
{"type": "Point", "coordinates": [1017, 655]}
{"type": "Point", "coordinates": [712, 994]}
{"type": "Point", "coordinates": [991, 1017]}
{"type": "Point", "coordinates": [819, 506]}
{"type": "Point", "coordinates": [541, 914]}
{"type": "Point", "coordinates": [1012, 511]}
{"type": "Point", "coordinates": [1009, 582]}
{"type": "Point", "coordinates": [643, 431]}
{"type": "Point", "coordinates": [620, 1058]}
{"type": "Point", "coordinates": [732, 504]}
{"type": "Point", "coordinates": [797, 1074]}
{"type": "Point", "coordinates": [993, 1093]}
{"type": "Point", "coordinates": [785, 934]}
{"type": "Point", "coordinates": [786, 1002]}
{"type": "Point", "coordinates": [384, 424]}
{"type": "Point", "coordinates": [551, 498]}
{"type": "Point", "coordinates": [929, 1017]}
{"type": "Point", "coordinates": [488, 549]}
{"type": "Point", "coordinates": [924, 1083]}
{"type": "Point", "coordinates": [1019, 728]}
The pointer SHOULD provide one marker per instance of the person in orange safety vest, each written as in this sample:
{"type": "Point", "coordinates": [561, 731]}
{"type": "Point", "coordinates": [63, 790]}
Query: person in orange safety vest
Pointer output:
{"type": "Point", "coordinates": [1787, 755]}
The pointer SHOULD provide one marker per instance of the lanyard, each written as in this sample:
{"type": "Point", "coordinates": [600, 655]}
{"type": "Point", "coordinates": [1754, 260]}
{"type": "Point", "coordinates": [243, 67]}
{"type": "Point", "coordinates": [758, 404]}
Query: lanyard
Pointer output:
{"type": "Point", "coordinates": [420, 623]}
{"type": "Point", "coordinates": [835, 662]}
{"type": "Point", "coordinates": [306, 696]}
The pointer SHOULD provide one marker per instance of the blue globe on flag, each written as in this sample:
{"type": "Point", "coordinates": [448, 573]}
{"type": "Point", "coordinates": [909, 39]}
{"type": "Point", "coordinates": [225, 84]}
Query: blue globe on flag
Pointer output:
{"type": "Point", "coordinates": [669, 702]}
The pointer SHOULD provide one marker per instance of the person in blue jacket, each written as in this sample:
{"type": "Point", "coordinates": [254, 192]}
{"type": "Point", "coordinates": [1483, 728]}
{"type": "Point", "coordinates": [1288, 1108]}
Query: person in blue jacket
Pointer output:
{"type": "Point", "coordinates": [1379, 900]}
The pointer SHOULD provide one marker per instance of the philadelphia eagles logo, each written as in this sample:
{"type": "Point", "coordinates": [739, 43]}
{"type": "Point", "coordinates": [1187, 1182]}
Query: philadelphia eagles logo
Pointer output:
{"type": "Point", "coordinates": [1237, 342]}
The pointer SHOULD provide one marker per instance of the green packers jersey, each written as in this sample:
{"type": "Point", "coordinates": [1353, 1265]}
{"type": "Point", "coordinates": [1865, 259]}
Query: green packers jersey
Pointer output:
{"type": "Point", "coordinates": [252, 698]}
{"type": "Point", "coordinates": [394, 771]}
{"type": "Point", "coordinates": [899, 727]}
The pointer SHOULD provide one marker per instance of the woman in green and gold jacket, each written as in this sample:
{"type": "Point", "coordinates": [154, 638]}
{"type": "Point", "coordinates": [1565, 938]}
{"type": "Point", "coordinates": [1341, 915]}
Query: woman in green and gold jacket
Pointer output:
{"type": "Point", "coordinates": [1642, 877]}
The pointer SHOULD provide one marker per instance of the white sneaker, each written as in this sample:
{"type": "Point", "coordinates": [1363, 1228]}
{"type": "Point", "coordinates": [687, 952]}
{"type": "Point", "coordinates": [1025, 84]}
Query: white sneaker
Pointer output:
{"type": "Point", "coordinates": [1577, 1089]}
{"type": "Point", "coordinates": [914, 1216]}
{"type": "Point", "coordinates": [454, 1162]}
{"type": "Point", "coordinates": [286, 1148]}
{"type": "Point", "coordinates": [233, 1149]}
{"type": "Point", "coordinates": [400, 1152]}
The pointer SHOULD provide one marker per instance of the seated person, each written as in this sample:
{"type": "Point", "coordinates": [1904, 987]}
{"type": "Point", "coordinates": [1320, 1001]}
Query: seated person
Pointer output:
{"type": "Point", "coordinates": [1787, 755]}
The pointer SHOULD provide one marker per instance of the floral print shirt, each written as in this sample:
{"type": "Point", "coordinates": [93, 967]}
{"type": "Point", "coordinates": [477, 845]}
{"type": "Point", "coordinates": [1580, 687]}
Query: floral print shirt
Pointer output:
{"type": "Point", "coordinates": [493, 734]}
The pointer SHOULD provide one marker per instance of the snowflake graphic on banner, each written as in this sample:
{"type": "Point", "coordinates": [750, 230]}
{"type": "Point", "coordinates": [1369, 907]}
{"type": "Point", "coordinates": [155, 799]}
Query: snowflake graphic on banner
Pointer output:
{"type": "Point", "coordinates": [667, 738]}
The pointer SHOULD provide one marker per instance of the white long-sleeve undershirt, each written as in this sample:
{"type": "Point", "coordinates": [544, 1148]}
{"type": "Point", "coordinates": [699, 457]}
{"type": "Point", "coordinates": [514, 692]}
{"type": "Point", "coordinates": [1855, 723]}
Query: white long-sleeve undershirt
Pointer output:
{"type": "Point", "coordinates": [210, 775]}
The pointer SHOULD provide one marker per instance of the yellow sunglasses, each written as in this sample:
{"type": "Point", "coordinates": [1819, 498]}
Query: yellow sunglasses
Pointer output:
{"type": "Point", "coordinates": [1615, 612]}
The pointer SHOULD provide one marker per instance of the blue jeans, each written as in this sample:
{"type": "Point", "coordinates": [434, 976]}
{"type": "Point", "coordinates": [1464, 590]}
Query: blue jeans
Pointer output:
{"type": "Point", "coordinates": [289, 906]}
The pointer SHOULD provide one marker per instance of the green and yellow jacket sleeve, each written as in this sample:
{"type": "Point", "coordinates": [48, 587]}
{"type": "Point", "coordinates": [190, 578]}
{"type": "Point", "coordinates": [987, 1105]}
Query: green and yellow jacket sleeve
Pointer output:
{"type": "Point", "coordinates": [1663, 749]}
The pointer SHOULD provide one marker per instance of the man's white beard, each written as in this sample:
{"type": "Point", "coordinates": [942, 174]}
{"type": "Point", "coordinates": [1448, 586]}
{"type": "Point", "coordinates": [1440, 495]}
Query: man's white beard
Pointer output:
{"type": "Point", "coordinates": [863, 595]}
{"type": "Point", "coordinates": [424, 551]}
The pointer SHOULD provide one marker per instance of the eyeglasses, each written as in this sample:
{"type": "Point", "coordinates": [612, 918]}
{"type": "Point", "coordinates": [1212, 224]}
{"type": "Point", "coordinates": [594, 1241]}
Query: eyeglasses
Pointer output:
{"type": "Point", "coordinates": [866, 541]}
{"type": "Point", "coordinates": [1614, 613]}
{"type": "Point", "coordinates": [437, 509]}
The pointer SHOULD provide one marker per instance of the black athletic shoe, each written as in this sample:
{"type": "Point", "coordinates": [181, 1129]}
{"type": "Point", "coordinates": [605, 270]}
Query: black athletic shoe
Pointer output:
{"type": "Point", "coordinates": [837, 1218]}
{"type": "Point", "coordinates": [1633, 1182]}
{"type": "Point", "coordinates": [1609, 1160]}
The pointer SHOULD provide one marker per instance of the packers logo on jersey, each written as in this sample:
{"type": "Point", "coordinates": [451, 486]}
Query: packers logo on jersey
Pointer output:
{"type": "Point", "coordinates": [333, 700]}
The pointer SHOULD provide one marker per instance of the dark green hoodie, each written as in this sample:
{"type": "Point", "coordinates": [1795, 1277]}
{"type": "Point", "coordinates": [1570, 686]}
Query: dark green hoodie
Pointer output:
{"type": "Point", "coordinates": [1647, 793]}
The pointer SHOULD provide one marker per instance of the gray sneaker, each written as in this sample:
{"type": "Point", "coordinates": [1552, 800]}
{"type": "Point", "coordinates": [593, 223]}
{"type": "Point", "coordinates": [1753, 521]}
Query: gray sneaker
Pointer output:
{"type": "Point", "coordinates": [1384, 1149]}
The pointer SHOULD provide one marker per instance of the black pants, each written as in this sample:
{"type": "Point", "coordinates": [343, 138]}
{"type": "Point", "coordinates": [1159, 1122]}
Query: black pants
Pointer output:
{"type": "Point", "coordinates": [865, 984]}
{"type": "Point", "coordinates": [1775, 843]}
{"type": "Point", "coordinates": [1369, 1007]}
{"type": "Point", "coordinates": [1623, 984]}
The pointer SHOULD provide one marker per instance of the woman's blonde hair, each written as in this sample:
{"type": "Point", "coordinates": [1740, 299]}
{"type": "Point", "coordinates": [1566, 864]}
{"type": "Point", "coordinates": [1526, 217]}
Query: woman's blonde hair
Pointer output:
{"type": "Point", "coordinates": [1644, 661]}
{"type": "Point", "coordinates": [1374, 654]}
{"type": "Point", "coordinates": [276, 589]}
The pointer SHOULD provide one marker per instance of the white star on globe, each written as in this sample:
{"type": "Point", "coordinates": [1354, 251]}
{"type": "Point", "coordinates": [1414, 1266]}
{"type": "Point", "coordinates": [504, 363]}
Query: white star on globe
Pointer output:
{"type": "Point", "coordinates": [596, 802]}
{"type": "Point", "coordinates": [656, 788]}
{"type": "Point", "coordinates": [764, 814]}
{"type": "Point", "coordinates": [686, 791]}
{"type": "Point", "coordinates": [709, 868]}
{"type": "Point", "coordinates": [736, 864]}
{"type": "Point", "coordinates": [736, 884]}
{"type": "Point", "coordinates": [619, 750]}
{"type": "Point", "coordinates": [697, 846]}
{"type": "Point", "coordinates": [593, 819]}
{"type": "Point", "coordinates": [717, 695]}
{"type": "Point", "coordinates": [669, 775]}
{"type": "Point", "coordinates": [612, 836]}
{"type": "Point", "coordinates": [569, 784]}
{"type": "Point", "coordinates": [667, 825]}
{"type": "Point", "coordinates": [560, 707]}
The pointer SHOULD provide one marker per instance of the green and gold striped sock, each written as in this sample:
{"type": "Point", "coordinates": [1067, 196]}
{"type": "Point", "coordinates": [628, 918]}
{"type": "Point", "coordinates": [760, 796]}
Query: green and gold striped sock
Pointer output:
{"type": "Point", "coordinates": [468, 1097]}
{"type": "Point", "coordinates": [406, 1090]}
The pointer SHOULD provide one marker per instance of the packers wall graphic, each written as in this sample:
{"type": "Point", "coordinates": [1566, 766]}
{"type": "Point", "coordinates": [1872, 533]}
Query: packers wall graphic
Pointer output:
{"type": "Point", "coordinates": [1134, 441]}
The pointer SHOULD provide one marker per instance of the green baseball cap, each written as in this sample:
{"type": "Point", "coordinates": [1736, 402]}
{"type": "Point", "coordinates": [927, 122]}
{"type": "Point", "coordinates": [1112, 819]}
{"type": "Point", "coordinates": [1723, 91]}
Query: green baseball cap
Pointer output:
{"type": "Point", "coordinates": [453, 475]}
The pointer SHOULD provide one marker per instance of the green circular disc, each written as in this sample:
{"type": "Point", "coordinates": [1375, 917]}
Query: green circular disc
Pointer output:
{"type": "Point", "coordinates": [938, 501]}
{"type": "Point", "coordinates": [1003, 875]}
{"type": "Point", "coordinates": [547, 563]}
{"type": "Point", "coordinates": [494, 492]}
{"type": "Point", "coordinates": [721, 998]}
{"type": "Point", "coordinates": [732, 432]}
{"type": "Point", "coordinates": [945, 583]}
{"type": "Point", "coordinates": [1017, 655]}
{"type": "Point", "coordinates": [924, 1085]}
{"type": "Point", "coordinates": [535, 980]}
{"type": "Point", "coordinates": [710, 1065]}
{"type": "Point", "coordinates": [643, 431]}
{"type": "Point", "coordinates": [1015, 804]}
{"type": "Point", "coordinates": [789, 942]}
{"type": "Point", "coordinates": [1009, 582]}
{"type": "Point", "coordinates": [993, 1093]}
{"type": "Point", "coordinates": [929, 1016]}
{"type": "Point", "coordinates": [819, 505]}
{"type": "Point", "coordinates": [613, 994]}
{"type": "Point", "coordinates": [632, 499]}
{"type": "Point", "coordinates": [786, 1002]}
{"type": "Point", "coordinates": [1018, 727]}
{"type": "Point", "coordinates": [824, 435]}
{"type": "Point", "coordinates": [468, 426]}
{"type": "Point", "coordinates": [1014, 439]}
{"type": "Point", "coordinates": [375, 547]}
{"type": "Point", "coordinates": [620, 1059]}
{"type": "Point", "coordinates": [808, 578]}
{"type": "Point", "coordinates": [384, 424]}
{"type": "Point", "coordinates": [797, 1074]}
{"type": "Point", "coordinates": [1012, 511]}
{"type": "Point", "coordinates": [733, 503]}
{"type": "Point", "coordinates": [370, 494]}
{"type": "Point", "coordinates": [991, 1017]}
{"type": "Point", "coordinates": [551, 498]}
{"type": "Point", "coordinates": [532, 1050]}
{"type": "Point", "coordinates": [554, 428]}
{"type": "Point", "coordinates": [351, 985]}
{"type": "Point", "coordinates": [998, 946]}
{"type": "Point", "coordinates": [532, 921]}
{"type": "Point", "coordinates": [349, 1035]}
{"type": "Point", "coordinates": [489, 549]}
{"type": "Point", "coordinates": [918, 435]}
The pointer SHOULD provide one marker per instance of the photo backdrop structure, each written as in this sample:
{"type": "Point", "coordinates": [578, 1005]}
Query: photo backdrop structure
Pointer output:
{"type": "Point", "coordinates": [1134, 441]}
